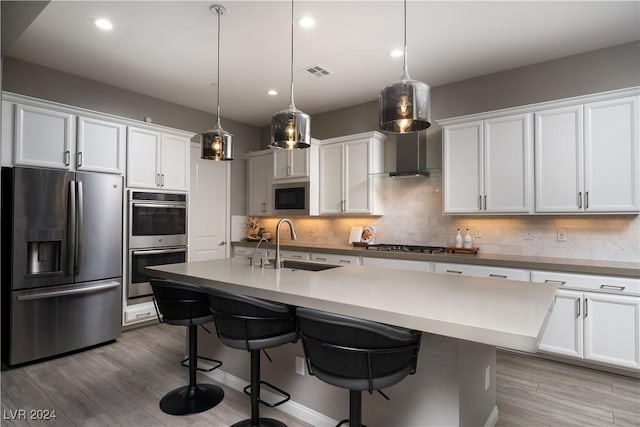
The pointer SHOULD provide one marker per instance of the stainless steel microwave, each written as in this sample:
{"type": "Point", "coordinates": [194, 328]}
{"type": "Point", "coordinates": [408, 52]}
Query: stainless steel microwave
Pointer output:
{"type": "Point", "coordinates": [291, 198]}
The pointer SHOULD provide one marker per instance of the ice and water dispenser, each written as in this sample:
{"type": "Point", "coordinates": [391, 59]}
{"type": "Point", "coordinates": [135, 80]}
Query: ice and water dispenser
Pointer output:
{"type": "Point", "coordinates": [44, 251]}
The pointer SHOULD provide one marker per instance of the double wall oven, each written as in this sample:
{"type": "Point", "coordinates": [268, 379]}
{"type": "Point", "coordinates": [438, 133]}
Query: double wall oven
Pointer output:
{"type": "Point", "coordinates": [157, 235]}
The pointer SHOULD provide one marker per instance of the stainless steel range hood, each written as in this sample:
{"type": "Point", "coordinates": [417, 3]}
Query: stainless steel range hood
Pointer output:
{"type": "Point", "coordinates": [410, 154]}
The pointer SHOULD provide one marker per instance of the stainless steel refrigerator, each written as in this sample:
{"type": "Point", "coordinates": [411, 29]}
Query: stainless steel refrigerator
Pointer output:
{"type": "Point", "coordinates": [61, 261]}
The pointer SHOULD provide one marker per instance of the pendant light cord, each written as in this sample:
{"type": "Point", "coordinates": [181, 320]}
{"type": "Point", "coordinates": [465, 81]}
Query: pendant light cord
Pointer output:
{"type": "Point", "coordinates": [405, 70]}
{"type": "Point", "coordinates": [292, 105]}
{"type": "Point", "coordinates": [219, 11]}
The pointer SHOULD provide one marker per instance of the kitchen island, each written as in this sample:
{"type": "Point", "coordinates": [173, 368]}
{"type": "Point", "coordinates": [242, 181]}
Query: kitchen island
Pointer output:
{"type": "Point", "coordinates": [463, 320]}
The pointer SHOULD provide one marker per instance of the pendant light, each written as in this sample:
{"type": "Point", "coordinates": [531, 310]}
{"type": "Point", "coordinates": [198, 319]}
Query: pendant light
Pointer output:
{"type": "Point", "coordinates": [291, 128]}
{"type": "Point", "coordinates": [217, 143]}
{"type": "Point", "coordinates": [405, 105]}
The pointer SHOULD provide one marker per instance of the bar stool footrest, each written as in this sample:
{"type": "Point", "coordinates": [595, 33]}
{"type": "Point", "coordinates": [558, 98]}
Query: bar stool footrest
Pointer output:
{"type": "Point", "coordinates": [286, 396]}
{"type": "Point", "coordinates": [262, 422]}
{"type": "Point", "coordinates": [218, 363]}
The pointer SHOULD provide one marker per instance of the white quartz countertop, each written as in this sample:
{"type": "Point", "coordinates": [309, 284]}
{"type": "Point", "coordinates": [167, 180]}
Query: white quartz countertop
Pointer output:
{"type": "Point", "coordinates": [497, 312]}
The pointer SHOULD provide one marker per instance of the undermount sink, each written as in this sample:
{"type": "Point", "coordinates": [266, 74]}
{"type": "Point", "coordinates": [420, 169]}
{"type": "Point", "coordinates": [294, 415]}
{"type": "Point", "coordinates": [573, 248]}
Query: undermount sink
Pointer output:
{"type": "Point", "coordinates": [308, 266]}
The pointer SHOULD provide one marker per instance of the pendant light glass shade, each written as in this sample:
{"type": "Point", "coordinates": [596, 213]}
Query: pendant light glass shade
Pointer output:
{"type": "Point", "coordinates": [291, 128]}
{"type": "Point", "coordinates": [217, 143]}
{"type": "Point", "coordinates": [405, 105]}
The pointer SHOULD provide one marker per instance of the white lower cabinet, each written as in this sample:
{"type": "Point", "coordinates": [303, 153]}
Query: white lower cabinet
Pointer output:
{"type": "Point", "coordinates": [336, 259]}
{"type": "Point", "coordinates": [594, 326]}
{"type": "Point", "coordinates": [482, 271]}
{"type": "Point", "coordinates": [400, 264]}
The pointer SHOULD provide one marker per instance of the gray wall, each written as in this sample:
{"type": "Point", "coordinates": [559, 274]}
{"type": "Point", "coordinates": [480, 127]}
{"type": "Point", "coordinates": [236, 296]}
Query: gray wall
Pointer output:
{"type": "Point", "coordinates": [46, 83]}
{"type": "Point", "coordinates": [601, 70]}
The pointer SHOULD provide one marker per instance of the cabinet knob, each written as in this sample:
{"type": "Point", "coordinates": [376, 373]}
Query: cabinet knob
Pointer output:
{"type": "Point", "coordinates": [79, 158]}
{"type": "Point", "coordinates": [222, 243]}
{"type": "Point", "coordinates": [67, 158]}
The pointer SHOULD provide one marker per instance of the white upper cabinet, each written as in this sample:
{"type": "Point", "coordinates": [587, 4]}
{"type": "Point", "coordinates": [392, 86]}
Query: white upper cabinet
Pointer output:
{"type": "Point", "coordinates": [462, 167]}
{"type": "Point", "coordinates": [291, 164]}
{"type": "Point", "coordinates": [488, 166]}
{"type": "Point", "coordinates": [577, 155]}
{"type": "Point", "coordinates": [345, 174]}
{"type": "Point", "coordinates": [174, 162]}
{"type": "Point", "coordinates": [587, 157]}
{"type": "Point", "coordinates": [43, 137]}
{"type": "Point", "coordinates": [559, 159]}
{"type": "Point", "coordinates": [100, 145]}
{"type": "Point", "coordinates": [260, 179]}
{"type": "Point", "coordinates": [612, 156]}
{"type": "Point", "coordinates": [157, 160]}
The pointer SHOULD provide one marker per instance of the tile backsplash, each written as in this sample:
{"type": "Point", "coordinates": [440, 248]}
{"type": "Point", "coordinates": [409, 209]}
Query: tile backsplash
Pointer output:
{"type": "Point", "coordinates": [413, 215]}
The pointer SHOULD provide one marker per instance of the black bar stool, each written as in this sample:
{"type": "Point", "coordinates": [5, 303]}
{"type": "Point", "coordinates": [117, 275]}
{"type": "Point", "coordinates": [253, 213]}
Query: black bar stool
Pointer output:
{"type": "Point", "coordinates": [356, 354]}
{"type": "Point", "coordinates": [253, 324]}
{"type": "Point", "coordinates": [185, 305]}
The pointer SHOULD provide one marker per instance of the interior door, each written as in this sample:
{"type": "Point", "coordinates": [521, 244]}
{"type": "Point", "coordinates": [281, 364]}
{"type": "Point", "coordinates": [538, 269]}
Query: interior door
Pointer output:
{"type": "Point", "coordinates": [209, 212]}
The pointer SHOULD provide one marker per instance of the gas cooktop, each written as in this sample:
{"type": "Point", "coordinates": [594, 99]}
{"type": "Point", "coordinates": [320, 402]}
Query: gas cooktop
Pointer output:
{"type": "Point", "coordinates": [386, 247]}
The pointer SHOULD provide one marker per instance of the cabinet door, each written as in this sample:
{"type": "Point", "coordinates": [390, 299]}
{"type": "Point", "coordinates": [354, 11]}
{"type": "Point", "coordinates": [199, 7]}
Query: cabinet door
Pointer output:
{"type": "Point", "coordinates": [43, 137]}
{"type": "Point", "coordinates": [612, 329]}
{"type": "Point", "coordinates": [331, 181]}
{"type": "Point", "coordinates": [260, 179]}
{"type": "Point", "coordinates": [462, 168]}
{"type": "Point", "coordinates": [612, 156]}
{"type": "Point", "coordinates": [508, 164]}
{"type": "Point", "coordinates": [143, 158]}
{"type": "Point", "coordinates": [174, 160]}
{"type": "Point", "coordinates": [281, 164]}
{"type": "Point", "coordinates": [357, 188]}
{"type": "Point", "coordinates": [291, 164]}
{"type": "Point", "coordinates": [563, 331]}
{"type": "Point", "coordinates": [559, 160]}
{"type": "Point", "coordinates": [100, 146]}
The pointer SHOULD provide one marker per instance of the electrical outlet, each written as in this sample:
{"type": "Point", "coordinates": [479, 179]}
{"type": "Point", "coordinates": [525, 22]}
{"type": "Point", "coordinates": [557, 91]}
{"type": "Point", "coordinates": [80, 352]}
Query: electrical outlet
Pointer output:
{"type": "Point", "coordinates": [476, 233]}
{"type": "Point", "coordinates": [300, 365]}
{"type": "Point", "coordinates": [562, 234]}
{"type": "Point", "coordinates": [528, 235]}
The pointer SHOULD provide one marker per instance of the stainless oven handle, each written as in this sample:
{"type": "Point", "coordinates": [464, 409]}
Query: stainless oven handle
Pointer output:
{"type": "Point", "coordinates": [54, 294]}
{"type": "Point", "coordinates": [158, 205]}
{"type": "Point", "coordinates": [159, 251]}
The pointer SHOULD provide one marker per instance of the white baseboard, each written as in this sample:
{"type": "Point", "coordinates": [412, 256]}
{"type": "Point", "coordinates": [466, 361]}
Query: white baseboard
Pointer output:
{"type": "Point", "coordinates": [291, 407]}
{"type": "Point", "coordinates": [493, 418]}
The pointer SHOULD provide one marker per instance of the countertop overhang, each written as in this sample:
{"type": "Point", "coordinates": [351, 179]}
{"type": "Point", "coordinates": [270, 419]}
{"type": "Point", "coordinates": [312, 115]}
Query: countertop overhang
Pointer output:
{"type": "Point", "coordinates": [497, 312]}
{"type": "Point", "coordinates": [565, 265]}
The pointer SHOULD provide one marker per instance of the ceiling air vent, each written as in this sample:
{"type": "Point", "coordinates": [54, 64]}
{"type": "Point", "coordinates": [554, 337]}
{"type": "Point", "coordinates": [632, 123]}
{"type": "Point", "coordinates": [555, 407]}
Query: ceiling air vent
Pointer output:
{"type": "Point", "coordinates": [317, 71]}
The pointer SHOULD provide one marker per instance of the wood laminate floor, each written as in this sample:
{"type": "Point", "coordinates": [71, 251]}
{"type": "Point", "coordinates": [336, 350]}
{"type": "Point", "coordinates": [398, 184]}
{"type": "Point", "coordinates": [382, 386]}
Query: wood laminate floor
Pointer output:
{"type": "Point", "coordinates": [121, 384]}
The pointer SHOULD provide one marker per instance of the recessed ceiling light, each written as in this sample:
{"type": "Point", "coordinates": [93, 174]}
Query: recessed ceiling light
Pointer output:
{"type": "Point", "coordinates": [272, 92]}
{"type": "Point", "coordinates": [396, 53]}
{"type": "Point", "coordinates": [306, 22]}
{"type": "Point", "coordinates": [103, 24]}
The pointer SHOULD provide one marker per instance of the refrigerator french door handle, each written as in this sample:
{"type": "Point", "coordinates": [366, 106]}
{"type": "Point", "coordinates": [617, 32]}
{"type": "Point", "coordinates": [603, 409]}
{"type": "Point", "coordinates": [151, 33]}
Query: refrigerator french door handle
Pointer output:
{"type": "Point", "coordinates": [53, 294]}
{"type": "Point", "coordinates": [80, 226]}
{"type": "Point", "coordinates": [71, 246]}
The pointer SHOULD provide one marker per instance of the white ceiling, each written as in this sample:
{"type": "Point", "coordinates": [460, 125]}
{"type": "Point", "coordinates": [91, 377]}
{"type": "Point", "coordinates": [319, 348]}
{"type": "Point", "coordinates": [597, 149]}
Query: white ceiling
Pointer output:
{"type": "Point", "coordinates": [167, 49]}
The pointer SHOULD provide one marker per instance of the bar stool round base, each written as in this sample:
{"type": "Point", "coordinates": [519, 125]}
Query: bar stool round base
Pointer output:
{"type": "Point", "coordinates": [191, 400]}
{"type": "Point", "coordinates": [263, 422]}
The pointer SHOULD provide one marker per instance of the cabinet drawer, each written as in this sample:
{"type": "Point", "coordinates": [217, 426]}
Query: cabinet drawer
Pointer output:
{"type": "Point", "coordinates": [589, 282]}
{"type": "Point", "coordinates": [244, 251]}
{"type": "Point", "coordinates": [336, 259]}
{"type": "Point", "coordinates": [292, 254]}
{"type": "Point", "coordinates": [400, 264]}
{"type": "Point", "coordinates": [482, 271]}
{"type": "Point", "coordinates": [139, 313]}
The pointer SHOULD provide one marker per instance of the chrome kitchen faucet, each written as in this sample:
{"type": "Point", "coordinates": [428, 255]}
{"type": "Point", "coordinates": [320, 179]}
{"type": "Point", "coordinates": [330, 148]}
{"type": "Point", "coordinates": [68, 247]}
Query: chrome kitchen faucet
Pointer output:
{"type": "Point", "coordinates": [277, 263]}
